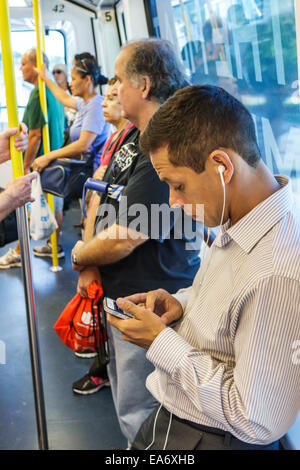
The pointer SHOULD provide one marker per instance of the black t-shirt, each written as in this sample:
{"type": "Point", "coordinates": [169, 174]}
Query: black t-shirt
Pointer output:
{"type": "Point", "coordinates": [163, 260]}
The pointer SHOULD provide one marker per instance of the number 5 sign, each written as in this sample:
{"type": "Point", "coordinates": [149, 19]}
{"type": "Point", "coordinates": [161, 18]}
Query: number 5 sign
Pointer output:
{"type": "Point", "coordinates": [108, 16]}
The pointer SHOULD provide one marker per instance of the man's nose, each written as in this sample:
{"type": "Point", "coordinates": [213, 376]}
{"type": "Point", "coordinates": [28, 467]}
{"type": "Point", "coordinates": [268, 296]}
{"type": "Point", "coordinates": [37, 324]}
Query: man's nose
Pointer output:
{"type": "Point", "coordinates": [174, 200]}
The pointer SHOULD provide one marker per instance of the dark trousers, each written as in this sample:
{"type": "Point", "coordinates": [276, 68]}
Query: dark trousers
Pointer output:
{"type": "Point", "coordinates": [184, 435]}
{"type": "Point", "coordinates": [98, 370]}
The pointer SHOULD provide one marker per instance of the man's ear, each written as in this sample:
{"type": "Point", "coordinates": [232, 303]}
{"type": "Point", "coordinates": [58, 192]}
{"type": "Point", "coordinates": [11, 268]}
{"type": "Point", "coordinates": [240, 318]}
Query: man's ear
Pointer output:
{"type": "Point", "coordinates": [145, 86]}
{"type": "Point", "coordinates": [220, 157]}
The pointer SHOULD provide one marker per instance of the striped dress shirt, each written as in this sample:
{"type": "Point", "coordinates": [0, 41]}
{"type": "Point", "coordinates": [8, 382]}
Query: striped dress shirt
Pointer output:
{"type": "Point", "coordinates": [229, 362]}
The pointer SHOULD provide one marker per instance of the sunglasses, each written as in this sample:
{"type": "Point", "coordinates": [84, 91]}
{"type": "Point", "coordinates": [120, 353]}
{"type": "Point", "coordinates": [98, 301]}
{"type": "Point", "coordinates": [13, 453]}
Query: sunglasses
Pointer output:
{"type": "Point", "coordinates": [57, 71]}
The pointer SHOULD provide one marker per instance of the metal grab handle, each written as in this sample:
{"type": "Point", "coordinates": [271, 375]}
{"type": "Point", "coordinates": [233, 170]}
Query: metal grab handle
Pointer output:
{"type": "Point", "coordinates": [113, 190]}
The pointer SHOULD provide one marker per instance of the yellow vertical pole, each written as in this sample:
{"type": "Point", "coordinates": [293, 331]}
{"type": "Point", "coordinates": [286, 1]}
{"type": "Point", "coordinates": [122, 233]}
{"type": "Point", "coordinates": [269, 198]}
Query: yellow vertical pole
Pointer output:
{"type": "Point", "coordinates": [23, 232]}
{"type": "Point", "coordinates": [10, 88]}
{"type": "Point", "coordinates": [43, 101]}
{"type": "Point", "coordinates": [186, 21]}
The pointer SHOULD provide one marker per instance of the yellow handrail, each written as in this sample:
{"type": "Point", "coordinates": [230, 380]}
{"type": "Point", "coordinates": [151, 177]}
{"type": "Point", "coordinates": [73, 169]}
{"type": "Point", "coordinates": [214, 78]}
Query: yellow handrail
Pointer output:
{"type": "Point", "coordinates": [43, 101]}
{"type": "Point", "coordinates": [10, 86]}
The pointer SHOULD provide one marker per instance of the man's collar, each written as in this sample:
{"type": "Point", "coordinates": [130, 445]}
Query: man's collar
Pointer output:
{"type": "Point", "coordinates": [253, 226]}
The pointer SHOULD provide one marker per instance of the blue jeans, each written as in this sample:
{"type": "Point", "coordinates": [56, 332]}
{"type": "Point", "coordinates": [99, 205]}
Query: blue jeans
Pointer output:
{"type": "Point", "coordinates": [127, 370]}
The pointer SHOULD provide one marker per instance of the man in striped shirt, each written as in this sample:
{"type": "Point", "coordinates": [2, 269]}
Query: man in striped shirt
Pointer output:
{"type": "Point", "coordinates": [225, 375]}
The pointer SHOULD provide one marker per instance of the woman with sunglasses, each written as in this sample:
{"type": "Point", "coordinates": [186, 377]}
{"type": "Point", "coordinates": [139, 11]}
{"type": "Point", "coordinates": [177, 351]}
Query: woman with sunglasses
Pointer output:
{"type": "Point", "coordinates": [88, 132]}
{"type": "Point", "coordinates": [60, 76]}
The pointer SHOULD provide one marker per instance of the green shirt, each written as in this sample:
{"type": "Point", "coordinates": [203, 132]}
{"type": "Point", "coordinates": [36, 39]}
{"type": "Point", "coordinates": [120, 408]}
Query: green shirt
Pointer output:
{"type": "Point", "coordinates": [34, 118]}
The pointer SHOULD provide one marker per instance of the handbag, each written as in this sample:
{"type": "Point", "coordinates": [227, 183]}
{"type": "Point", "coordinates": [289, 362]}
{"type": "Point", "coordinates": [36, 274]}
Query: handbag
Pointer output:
{"type": "Point", "coordinates": [55, 177]}
{"type": "Point", "coordinates": [78, 176]}
{"type": "Point", "coordinates": [80, 325]}
{"type": "Point", "coordinates": [8, 229]}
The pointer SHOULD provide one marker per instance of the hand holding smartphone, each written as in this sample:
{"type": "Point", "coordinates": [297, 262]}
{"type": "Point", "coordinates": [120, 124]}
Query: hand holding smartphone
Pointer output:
{"type": "Point", "coordinates": [111, 307]}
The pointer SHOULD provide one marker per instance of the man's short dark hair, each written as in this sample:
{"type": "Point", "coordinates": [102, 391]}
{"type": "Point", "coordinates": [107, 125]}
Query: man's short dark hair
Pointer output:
{"type": "Point", "coordinates": [198, 120]}
{"type": "Point", "coordinates": [157, 59]}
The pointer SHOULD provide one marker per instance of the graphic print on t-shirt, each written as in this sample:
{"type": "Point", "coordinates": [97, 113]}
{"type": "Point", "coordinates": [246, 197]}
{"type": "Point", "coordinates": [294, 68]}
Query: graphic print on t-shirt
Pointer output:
{"type": "Point", "coordinates": [123, 158]}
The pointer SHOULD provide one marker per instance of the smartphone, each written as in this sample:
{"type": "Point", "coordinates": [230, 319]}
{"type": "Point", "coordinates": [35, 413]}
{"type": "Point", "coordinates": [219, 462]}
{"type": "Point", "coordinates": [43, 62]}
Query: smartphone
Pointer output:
{"type": "Point", "coordinates": [111, 307]}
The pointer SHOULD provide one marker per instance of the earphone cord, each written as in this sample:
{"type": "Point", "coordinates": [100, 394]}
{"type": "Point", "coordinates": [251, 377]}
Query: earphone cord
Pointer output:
{"type": "Point", "coordinates": [155, 420]}
{"type": "Point", "coordinates": [206, 247]}
{"type": "Point", "coordinates": [168, 431]}
{"type": "Point", "coordinates": [224, 200]}
{"type": "Point", "coordinates": [160, 407]}
{"type": "Point", "coordinates": [154, 427]}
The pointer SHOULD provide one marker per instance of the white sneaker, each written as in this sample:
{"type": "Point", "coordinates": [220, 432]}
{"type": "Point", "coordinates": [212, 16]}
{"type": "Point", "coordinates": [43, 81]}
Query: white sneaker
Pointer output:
{"type": "Point", "coordinates": [10, 259]}
{"type": "Point", "coordinates": [45, 251]}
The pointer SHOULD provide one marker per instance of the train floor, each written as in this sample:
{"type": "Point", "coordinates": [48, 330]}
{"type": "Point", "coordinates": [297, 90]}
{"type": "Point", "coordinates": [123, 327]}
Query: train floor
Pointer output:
{"type": "Point", "coordinates": [74, 422]}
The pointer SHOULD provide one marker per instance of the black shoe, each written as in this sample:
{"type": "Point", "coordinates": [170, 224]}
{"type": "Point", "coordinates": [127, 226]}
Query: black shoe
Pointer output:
{"type": "Point", "coordinates": [89, 384]}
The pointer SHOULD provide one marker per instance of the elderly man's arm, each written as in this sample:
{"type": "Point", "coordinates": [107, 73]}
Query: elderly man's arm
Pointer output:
{"type": "Point", "coordinates": [34, 142]}
{"type": "Point", "coordinates": [21, 141]}
{"type": "Point", "coordinates": [16, 194]}
{"type": "Point", "coordinates": [109, 246]}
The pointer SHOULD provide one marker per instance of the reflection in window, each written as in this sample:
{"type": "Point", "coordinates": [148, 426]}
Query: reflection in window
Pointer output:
{"type": "Point", "coordinates": [249, 48]}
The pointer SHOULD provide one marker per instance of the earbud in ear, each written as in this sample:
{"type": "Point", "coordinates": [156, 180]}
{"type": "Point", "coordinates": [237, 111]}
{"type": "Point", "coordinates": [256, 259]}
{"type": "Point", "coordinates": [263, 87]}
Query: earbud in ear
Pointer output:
{"type": "Point", "coordinates": [221, 170]}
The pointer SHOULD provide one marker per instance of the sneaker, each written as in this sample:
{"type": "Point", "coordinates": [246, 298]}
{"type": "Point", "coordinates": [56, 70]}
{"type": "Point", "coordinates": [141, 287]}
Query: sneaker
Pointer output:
{"type": "Point", "coordinates": [86, 353]}
{"type": "Point", "coordinates": [10, 259]}
{"type": "Point", "coordinates": [45, 251]}
{"type": "Point", "coordinates": [89, 384]}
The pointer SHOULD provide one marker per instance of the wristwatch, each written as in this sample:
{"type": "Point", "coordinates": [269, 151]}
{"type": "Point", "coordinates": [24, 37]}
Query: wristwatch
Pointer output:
{"type": "Point", "coordinates": [74, 260]}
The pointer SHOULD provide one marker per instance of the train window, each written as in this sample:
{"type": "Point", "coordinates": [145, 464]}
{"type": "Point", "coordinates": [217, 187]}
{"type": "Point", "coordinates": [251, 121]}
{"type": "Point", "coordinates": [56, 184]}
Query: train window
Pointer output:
{"type": "Point", "coordinates": [21, 42]}
{"type": "Point", "coordinates": [249, 48]}
{"type": "Point", "coordinates": [121, 22]}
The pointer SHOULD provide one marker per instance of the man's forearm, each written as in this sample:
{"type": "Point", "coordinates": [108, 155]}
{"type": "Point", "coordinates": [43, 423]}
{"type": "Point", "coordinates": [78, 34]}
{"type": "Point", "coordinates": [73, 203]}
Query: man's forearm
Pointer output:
{"type": "Point", "coordinates": [5, 204]}
{"type": "Point", "coordinates": [90, 221]}
{"type": "Point", "coordinates": [32, 151]}
{"type": "Point", "coordinates": [101, 252]}
{"type": "Point", "coordinates": [108, 247]}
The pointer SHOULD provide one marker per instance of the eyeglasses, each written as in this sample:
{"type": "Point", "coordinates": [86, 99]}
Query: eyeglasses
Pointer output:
{"type": "Point", "coordinates": [57, 71]}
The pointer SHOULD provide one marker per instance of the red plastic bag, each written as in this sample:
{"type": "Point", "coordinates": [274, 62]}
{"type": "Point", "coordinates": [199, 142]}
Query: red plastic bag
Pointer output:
{"type": "Point", "coordinates": [79, 325]}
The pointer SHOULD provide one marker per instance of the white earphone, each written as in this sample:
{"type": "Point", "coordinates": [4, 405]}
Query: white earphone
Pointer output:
{"type": "Point", "coordinates": [221, 170]}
